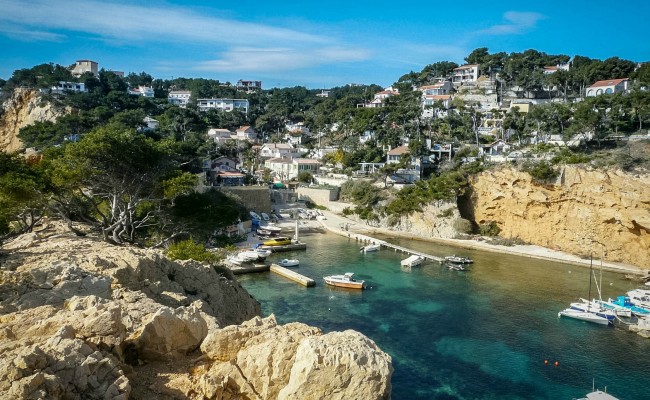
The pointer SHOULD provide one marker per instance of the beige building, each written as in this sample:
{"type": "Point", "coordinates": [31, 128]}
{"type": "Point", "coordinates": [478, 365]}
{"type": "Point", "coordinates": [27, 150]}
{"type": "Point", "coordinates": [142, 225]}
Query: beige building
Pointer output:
{"type": "Point", "coordinates": [83, 66]}
{"type": "Point", "coordinates": [286, 168]}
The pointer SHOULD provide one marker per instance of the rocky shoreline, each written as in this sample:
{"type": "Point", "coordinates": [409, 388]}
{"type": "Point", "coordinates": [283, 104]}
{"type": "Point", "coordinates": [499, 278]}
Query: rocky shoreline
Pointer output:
{"type": "Point", "coordinates": [83, 319]}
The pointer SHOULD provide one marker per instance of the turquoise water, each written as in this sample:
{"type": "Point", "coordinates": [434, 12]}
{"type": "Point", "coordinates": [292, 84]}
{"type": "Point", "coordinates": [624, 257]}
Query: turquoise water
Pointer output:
{"type": "Point", "coordinates": [479, 334]}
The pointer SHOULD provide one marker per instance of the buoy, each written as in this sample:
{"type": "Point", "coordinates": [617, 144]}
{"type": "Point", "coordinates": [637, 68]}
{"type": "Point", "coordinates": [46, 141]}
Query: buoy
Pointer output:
{"type": "Point", "coordinates": [545, 362]}
{"type": "Point", "coordinates": [557, 363]}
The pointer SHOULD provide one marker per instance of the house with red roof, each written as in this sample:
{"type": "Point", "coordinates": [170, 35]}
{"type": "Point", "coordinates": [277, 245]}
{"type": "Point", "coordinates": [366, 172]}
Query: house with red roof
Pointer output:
{"type": "Point", "coordinates": [610, 86]}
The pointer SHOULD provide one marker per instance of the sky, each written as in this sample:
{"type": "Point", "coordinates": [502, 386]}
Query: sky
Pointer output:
{"type": "Point", "coordinates": [317, 44]}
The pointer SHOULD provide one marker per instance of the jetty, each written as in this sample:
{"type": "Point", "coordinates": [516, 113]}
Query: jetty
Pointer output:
{"type": "Point", "coordinates": [292, 275]}
{"type": "Point", "coordinates": [286, 247]}
{"type": "Point", "coordinates": [371, 240]}
{"type": "Point", "coordinates": [248, 268]}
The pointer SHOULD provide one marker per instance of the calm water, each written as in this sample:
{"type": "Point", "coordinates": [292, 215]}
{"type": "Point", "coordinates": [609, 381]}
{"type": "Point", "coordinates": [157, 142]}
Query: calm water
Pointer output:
{"type": "Point", "coordinates": [480, 334]}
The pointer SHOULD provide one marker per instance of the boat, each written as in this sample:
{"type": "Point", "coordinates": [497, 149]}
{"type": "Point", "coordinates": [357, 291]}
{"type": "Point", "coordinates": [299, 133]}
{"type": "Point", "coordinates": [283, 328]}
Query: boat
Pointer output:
{"type": "Point", "coordinates": [278, 241]}
{"type": "Point", "coordinates": [583, 316]}
{"type": "Point", "coordinates": [248, 255]}
{"type": "Point", "coordinates": [624, 301]}
{"type": "Point", "coordinates": [456, 267]}
{"type": "Point", "coordinates": [640, 298]}
{"type": "Point", "coordinates": [593, 307]}
{"type": "Point", "coordinates": [458, 260]}
{"type": "Point", "coordinates": [584, 311]}
{"type": "Point", "coordinates": [236, 259]}
{"type": "Point", "coordinates": [261, 253]}
{"type": "Point", "coordinates": [412, 261]}
{"type": "Point", "coordinates": [620, 311]}
{"type": "Point", "coordinates": [346, 281]}
{"type": "Point", "coordinates": [288, 263]}
{"type": "Point", "coordinates": [371, 247]}
{"type": "Point", "coordinates": [599, 395]}
{"type": "Point", "coordinates": [271, 228]}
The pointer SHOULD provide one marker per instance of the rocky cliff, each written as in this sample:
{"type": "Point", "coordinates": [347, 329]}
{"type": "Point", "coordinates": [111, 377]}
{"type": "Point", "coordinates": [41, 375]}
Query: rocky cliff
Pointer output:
{"type": "Point", "coordinates": [23, 108]}
{"type": "Point", "coordinates": [585, 211]}
{"type": "Point", "coordinates": [83, 319]}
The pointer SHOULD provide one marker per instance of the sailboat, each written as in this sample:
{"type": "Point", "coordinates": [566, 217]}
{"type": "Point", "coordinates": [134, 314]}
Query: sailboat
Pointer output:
{"type": "Point", "coordinates": [588, 313]}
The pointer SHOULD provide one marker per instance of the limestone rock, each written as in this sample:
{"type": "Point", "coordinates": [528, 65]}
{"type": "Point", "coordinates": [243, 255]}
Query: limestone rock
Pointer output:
{"type": "Point", "coordinates": [339, 365]}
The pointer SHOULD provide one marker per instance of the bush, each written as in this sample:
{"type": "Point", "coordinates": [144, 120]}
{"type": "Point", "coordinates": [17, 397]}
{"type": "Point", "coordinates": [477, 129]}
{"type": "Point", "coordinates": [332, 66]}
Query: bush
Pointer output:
{"type": "Point", "coordinates": [189, 250]}
{"type": "Point", "coordinates": [347, 211]}
{"type": "Point", "coordinates": [541, 171]}
{"type": "Point", "coordinates": [462, 226]}
{"type": "Point", "coordinates": [489, 228]}
{"type": "Point", "coordinates": [446, 213]}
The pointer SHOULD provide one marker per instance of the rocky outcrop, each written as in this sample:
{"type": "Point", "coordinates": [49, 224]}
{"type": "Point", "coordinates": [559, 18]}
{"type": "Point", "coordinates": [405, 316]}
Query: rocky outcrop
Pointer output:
{"type": "Point", "coordinates": [586, 211]}
{"type": "Point", "coordinates": [23, 108]}
{"type": "Point", "coordinates": [83, 319]}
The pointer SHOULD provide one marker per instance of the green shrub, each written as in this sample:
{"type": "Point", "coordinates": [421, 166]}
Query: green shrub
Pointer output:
{"type": "Point", "coordinates": [541, 171]}
{"type": "Point", "coordinates": [347, 211]}
{"type": "Point", "coordinates": [446, 213]}
{"type": "Point", "coordinates": [189, 250]}
{"type": "Point", "coordinates": [462, 225]}
{"type": "Point", "coordinates": [490, 228]}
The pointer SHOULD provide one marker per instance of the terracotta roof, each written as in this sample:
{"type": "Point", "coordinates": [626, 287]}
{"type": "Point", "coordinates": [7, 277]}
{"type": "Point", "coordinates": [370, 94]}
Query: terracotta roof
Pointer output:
{"type": "Point", "coordinates": [243, 128]}
{"type": "Point", "coordinates": [307, 161]}
{"type": "Point", "coordinates": [434, 86]}
{"type": "Point", "coordinates": [438, 96]}
{"type": "Point", "coordinates": [399, 150]}
{"type": "Point", "coordinates": [611, 82]}
{"type": "Point", "coordinates": [551, 68]}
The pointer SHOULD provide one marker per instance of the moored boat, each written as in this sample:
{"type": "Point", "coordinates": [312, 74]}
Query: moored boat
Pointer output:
{"type": "Point", "coordinates": [370, 247]}
{"type": "Point", "coordinates": [618, 310]}
{"type": "Point", "coordinates": [458, 260]}
{"type": "Point", "coordinates": [591, 307]}
{"type": "Point", "coordinates": [346, 281]}
{"type": "Point", "coordinates": [288, 262]}
{"type": "Point", "coordinates": [411, 261]}
{"type": "Point", "coordinates": [583, 316]}
{"type": "Point", "coordinates": [278, 241]}
{"type": "Point", "coordinates": [624, 301]}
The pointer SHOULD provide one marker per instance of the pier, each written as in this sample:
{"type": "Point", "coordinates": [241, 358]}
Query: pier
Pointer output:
{"type": "Point", "coordinates": [248, 268]}
{"type": "Point", "coordinates": [292, 275]}
{"type": "Point", "coordinates": [369, 239]}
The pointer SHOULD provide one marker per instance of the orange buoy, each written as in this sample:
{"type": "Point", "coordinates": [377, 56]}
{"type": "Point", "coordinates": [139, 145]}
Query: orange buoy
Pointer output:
{"type": "Point", "coordinates": [557, 363]}
{"type": "Point", "coordinates": [545, 362]}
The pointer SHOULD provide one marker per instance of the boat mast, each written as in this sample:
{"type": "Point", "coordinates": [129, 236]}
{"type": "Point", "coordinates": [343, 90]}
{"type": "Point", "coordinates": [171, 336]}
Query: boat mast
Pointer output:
{"type": "Point", "coordinates": [591, 263]}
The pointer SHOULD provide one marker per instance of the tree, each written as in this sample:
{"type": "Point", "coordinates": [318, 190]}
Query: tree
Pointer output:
{"type": "Point", "coordinates": [117, 174]}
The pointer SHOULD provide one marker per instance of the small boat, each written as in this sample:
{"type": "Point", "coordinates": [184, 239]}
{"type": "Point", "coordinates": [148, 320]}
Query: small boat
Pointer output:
{"type": "Point", "coordinates": [458, 260]}
{"type": "Point", "coordinates": [620, 311]}
{"type": "Point", "coordinates": [278, 241]}
{"type": "Point", "coordinates": [272, 229]}
{"type": "Point", "coordinates": [236, 259]}
{"type": "Point", "coordinates": [624, 301]}
{"type": "Point", "coordinates": [599, 395]}
{"type": "Point", "coordinates": [639, 298]}
{"type": "Point", "coordinates": [583, 316]}
{"type": "Point", "coordinates": [412, 261]}
{"type": "Point", "coordinates": [288, 263]}
{"type": "Point", "coordinates": [346, 281]}
{"type": "Point", "coordinates": [248, 255]}
{"type": "Point", "coordinates": [587, 306]}
{"type": "Point", "coordinates": [457, 267]}
{"type": "Point", "coordinates": [262, 254]}
{"type": "Point", "coordinates": [371, 247]}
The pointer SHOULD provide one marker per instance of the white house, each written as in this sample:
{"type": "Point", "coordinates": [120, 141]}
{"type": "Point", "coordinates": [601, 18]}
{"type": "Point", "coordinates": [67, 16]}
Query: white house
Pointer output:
{"type": "Point", "coordinates": [83, 66]}
{"type": "Point", "coordinates": [465, 73]}
{"type": "Point", "coordinates": [437, 89]}
{"type": "Point", "coordinates": [223, 104]}
{"type": "Point", "coordinates": [144, 91]}
{"type": "Point", "coordinates": [151, 124]}
{"type": "Point", "coordinates": [246, 133]}
{"type": "Point", "coordinates": [278, 150]}
{"type": "Point", "coordinates": [62, 87]}
{"type": "Point", "coordinates": [395, 155]}
{"type": "Point", "coordinates": [179, 98]}
{"type": "Point", "coordinates": [220, 136]}
{"type": "Point", "coordinates": [223, 164]}
{"type": "Point", "coordinates": [608, 87]}
{"type": "Point", "coordinates": [379, 99]}
{"type": "Point", "coordinates": [496, 148]}
{"type": "Point", "coordinates": [430, 103]}
{"type": "Point", "coordinates": [288, 168]}
{"type": "Point", "coordinates": [248, 86]}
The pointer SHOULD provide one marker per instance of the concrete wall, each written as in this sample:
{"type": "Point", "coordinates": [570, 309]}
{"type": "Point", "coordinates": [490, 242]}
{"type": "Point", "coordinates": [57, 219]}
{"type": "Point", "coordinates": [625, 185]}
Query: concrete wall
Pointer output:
{"type": "Point", "coordinates": [255, 198]}
{"type": "Point", "coordinates": [321, 197]}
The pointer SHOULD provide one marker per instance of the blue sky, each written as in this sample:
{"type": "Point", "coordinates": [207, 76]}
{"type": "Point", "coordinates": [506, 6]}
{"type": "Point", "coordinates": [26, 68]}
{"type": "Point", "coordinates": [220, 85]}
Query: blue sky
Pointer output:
{"type": "Point", "coordinates": [309, 43]}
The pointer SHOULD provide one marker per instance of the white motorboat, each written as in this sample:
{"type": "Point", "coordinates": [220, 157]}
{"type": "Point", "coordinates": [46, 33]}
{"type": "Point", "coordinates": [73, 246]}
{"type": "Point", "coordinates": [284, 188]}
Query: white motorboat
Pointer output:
{"type": "Point", "coordinates": [288, 262]}
{"type": "Point", "coordinates": [235, 259]}
{"type": "Point", "coordinates": [458, 260]}
{"type": "Point", "coordinates": [412, 261]}
{"type": "Point", "coordinates": [583, 316]}
{"type": "Point", "coordinates": [599, 395]}
{"type": "Point", "coordinates": [640, 298]}
{"type": "Point", "coordinates": [371, 247]}
{"type": "Point", "coordinates": [262, 254]}
{"type": "Point", "coordinates": [249, 255]}
{"type": "Point", "coordinates": [346, 281]}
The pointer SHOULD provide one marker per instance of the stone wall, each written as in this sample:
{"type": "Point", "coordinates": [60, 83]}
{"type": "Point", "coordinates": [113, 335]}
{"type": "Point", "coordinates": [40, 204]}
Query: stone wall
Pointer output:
{"type": "Point", "coordinates": [321, 197]}
{"type": "Point", "coordinates": [255, 198]}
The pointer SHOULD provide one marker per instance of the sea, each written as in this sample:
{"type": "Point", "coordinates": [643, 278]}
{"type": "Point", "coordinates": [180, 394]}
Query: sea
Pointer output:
{"type": "Point", "coordinates": [491, 332]}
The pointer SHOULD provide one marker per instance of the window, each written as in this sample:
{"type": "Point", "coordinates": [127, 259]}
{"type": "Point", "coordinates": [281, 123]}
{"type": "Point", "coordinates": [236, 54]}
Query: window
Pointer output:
{"type": "Point", "coordinates": [609, 91]}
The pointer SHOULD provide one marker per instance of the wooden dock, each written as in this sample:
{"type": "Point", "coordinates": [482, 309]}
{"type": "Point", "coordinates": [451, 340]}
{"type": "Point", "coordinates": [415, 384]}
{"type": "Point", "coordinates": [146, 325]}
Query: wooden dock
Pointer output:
{"type": "Point", "coordinates": [287, 247]}
{"type": "Point", "coordinates": [292, 275]}
{"type": "Point", "coordinates": [383, 243]}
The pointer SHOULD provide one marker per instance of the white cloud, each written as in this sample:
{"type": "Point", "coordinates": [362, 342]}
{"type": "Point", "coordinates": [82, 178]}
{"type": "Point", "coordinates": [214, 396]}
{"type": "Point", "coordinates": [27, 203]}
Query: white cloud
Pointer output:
{"type": "Point", "coordinates": [249, 59]}
{"type": "Point", "coordinates": [130, 23]}
{"type": "Point", "coordinates": [30, 35]}
{"type": "Point", "coordinates": [517, 22]}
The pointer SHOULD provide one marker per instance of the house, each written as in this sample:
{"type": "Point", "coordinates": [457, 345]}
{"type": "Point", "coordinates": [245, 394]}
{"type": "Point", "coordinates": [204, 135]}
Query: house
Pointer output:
{"type": "Point", "coordinates": [394, 156]}
{"type": "Point", "coordinates": [437, 89]}
{"type": "Point", "coordinates": [288, 168]}
{"type": "Point", "coordinates": [430, 105]}
{"type": "Point", "coordinates": [497, 148]}
{"type": "Point", "coordinates": [83, 66]}
{"type": "Point", "coordinates": [144, 91]}
{"type": "Point", "coordinates": [179, 98]}
{"type": "Point", "coordinates": [150, 124]}
{"type": "Point", "coordinates": [227, 105]}
{"type": "Point", "coordinates": [379, 99]}
{"type": "Point", "coordinates": [323, 93]}
{"type": "Point", "coordinates": [278, 150]}
{"type": "Point", "coordinates": [246, 133]}
{"type": "Point", "coordinates": [62, 87]}
{"type": "Point", "coordinates": [608, 87]}
{"type": "Point", "coordinates": [366, 136]}
{"type": "Point", "coordinates": [465, 73]}
{"type": "Point", "coordinates": [249, 86]}
{"type": "Point", "coordinates": [226, 178]}
{"type": "Point", "coordinates": [221, 136]}
{"type": "Point", "coordinates": [223, 164]}
{"type": "Point", "coordinates": [523, 107]}
{"type": "Point", "coordinates": [551, 69]}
